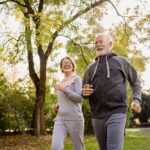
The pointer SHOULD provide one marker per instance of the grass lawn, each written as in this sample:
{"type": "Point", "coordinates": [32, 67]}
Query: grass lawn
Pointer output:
{"type": "Point", "coordinates": [135, 140]}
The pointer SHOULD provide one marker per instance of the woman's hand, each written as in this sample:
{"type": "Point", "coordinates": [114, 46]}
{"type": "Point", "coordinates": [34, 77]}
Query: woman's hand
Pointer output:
{"type": "Point", "coordinates": [59, 87]}
{"type": "Point", "coordinates": [56, 107]}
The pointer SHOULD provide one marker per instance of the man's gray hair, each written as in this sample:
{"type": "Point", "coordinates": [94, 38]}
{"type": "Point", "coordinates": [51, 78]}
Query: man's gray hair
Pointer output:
{"type": "Point", "coordinates": [105, 35]}
{"type": "Point", "coordinates": [109, 38]}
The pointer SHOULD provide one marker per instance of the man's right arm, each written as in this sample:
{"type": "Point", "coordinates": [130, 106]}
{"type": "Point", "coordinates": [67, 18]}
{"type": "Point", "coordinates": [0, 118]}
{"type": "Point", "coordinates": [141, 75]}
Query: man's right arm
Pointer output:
{"type": "Point", "coordinates": [87, 90]}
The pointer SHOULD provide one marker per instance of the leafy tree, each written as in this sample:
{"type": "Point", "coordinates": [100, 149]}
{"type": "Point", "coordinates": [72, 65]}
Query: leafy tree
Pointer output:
{"type": "Point", "coordinates": [144, 116]}
{"type": "Point", "coordinates": [124, 37]}
{"type": "Point", "coordinates": [15, 106]}
{"type": "Point", "coordinates": [42, 22]}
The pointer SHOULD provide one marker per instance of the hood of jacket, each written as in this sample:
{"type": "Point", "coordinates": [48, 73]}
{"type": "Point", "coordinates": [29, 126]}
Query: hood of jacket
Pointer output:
{"type": "Point", "coordinates": [103, 58]}
{"type": "Point", "coordinates": [111, 54]}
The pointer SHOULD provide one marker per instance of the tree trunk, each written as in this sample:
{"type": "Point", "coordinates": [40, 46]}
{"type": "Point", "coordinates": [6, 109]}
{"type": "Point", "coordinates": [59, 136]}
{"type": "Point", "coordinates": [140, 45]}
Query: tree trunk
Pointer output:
{"type": "Point", "coordinates": [42, 120]}
{"type": "Point", "coordinates": [39, 82]}
{"type": "Point", "coordinates": [39, 119]}
{"type": "Point", "coordinates": [38, 116]}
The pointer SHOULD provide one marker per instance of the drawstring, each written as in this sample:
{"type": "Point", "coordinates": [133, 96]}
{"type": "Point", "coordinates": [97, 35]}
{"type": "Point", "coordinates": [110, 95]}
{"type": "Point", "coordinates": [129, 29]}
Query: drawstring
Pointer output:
{"type": "Point", "coordinates": [108, 71]}
{"type": "Point", "coordinates": [95, 69]}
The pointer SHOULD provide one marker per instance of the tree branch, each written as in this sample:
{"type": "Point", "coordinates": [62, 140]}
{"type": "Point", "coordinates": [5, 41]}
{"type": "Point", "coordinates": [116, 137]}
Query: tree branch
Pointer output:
{"type": "Point", "coordinates": [125, 32]}
{"type": "Point", "coordinates": [41, 4]}
{"type": "Point", "coordinates": [5, 42]}
{"type": "Point", "coordinates": [77, 15]}
{"type": "Point", "coordinates": [124, 19]}
{"type": "Point", "coordinates": [118, 11]}
{"type": "Point", "coordinates": [40, 51]}
{"type": "Point", "coordinates": [4, 2]}
{"type": "Point", "coordinates": [15, 1]}
{"type": "Point", "coordinates": [82, 53]}
{"type": "Point", "coordinates": [81, 12]}
{"type": "Point", "coordinates": [32, 72]}
{"type": "Point", "coordinates": [36, 21]}
{"type": "Point", "coordinates": [144, 6]}
{"type": "Point", "coordinates": [76, 44]}
{"type": "Point", "coordinates": [50, 45]}
{"type": "Point", "coordinates": [30, 10]}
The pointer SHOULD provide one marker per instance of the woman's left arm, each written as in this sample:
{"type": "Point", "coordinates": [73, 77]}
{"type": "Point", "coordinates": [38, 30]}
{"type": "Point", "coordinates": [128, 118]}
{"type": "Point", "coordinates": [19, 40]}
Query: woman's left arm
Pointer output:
{"type": "Point", "coordinates": [75, 95]}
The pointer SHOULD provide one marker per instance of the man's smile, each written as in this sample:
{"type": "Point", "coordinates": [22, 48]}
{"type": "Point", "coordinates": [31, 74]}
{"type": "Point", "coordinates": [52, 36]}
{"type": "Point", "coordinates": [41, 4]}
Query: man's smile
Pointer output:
{"type": "Point", "coordinates": [100, 49]}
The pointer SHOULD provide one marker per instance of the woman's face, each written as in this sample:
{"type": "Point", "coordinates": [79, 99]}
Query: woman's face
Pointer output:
{"type": "Point", "coordinates": [67, 66]}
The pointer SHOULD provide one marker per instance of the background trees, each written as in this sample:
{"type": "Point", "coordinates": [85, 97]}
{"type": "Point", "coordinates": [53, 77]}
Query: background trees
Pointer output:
{"type": "Point", "coordinates": [144, 116]}
{"type": "Point", "coordinates": [43, 22]}
{"type": "Point", "coordinates": [16, 105]}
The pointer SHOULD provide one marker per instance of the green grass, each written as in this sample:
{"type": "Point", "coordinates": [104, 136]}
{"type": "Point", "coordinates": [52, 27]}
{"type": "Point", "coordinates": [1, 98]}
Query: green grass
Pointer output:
{"type": "Point", "coordinates": [134, 140]}
{"type": "Point", "coordinates": [137, 139]}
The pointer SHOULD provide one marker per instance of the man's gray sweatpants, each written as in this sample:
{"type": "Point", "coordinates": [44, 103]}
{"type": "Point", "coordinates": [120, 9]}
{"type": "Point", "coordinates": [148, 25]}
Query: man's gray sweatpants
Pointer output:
{"type": "Point", "coordinates": [73, 128]}
{"type": "Point", "coordinates": [110, 131]}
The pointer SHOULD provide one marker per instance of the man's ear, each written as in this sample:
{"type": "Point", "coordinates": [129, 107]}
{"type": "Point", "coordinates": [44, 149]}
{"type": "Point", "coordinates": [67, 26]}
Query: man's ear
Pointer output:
{"type": "Point", "coordinates": [111, 44]}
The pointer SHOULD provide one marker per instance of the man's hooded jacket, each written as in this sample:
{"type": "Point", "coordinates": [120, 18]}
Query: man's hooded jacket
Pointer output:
{"type": "Point", "coordinates": [108, 75]}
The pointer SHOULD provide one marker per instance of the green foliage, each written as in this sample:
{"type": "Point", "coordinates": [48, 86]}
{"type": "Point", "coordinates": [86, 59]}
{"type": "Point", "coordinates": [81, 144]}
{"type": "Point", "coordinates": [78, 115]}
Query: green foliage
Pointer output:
{"type": "Point", "coordinates": [53, 18]}
{"type": "Point", "coordinates": [135, 139]}
{"type": "Point", "coordinates": [48, 24]}
{"type": "Point", "coordinates": [88, 129]}
{"type": "Point", "coordinates": [50, 114]}
{"type": "Point", "coordinates": [122, 46]}
{"type": "Point", "coordinates": [16, 112]}
{"type": "Point", "coordinates": [15, 107]}
{"type": "Point", "coordinates": [12, 53]}
{"type": "Point", "coordinates": [129, 100]}
{"type": "Point", "coordinates": [55, 2]}
{"type": "Point", "coordinates": [122, 37]}
{"type": "Point", "coordinates": [121, 50]}
{"type": "Point", "coordinates": [135, 57]}
{"type": "Point", "coordinates": [144, 116]}
{"type": "Point", "coordinates": [82, 55]}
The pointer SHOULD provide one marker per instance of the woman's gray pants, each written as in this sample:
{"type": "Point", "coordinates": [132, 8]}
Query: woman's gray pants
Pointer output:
{"type": "Point", "coordinates": [73, 128]}
{"type": "Point", "coordinates": [110, 131]}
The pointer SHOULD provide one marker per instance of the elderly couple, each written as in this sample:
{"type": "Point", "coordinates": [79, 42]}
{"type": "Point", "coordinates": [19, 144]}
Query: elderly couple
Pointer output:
{"type": "Point", "coordinates": [104, 84]}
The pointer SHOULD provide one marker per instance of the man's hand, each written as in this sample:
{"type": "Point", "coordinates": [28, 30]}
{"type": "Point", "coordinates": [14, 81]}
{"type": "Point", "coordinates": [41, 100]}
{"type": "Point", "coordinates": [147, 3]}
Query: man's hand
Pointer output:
{"type": "Point", "coordinates": [87, 90]}
{"type": "Point", "coordinates": [136, 107]}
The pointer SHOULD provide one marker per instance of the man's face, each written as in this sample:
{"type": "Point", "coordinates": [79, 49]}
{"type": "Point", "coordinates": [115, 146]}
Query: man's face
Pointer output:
{"type": "Point", "coordinates": [102, 45]}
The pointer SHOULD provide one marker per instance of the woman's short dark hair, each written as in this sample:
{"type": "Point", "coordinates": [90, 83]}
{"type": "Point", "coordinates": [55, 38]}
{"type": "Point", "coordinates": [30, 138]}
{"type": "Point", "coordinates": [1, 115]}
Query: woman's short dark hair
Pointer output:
{"type": "Point", "coordinates": [72, 62]}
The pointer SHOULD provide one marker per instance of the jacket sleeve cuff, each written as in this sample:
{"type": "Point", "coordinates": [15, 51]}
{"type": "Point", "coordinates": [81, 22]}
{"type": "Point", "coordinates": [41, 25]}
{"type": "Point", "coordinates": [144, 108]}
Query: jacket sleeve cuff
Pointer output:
{"type": "Point", "coordinates": [66, 91]}
{"type": "Point", "coordinates": [137, 101]}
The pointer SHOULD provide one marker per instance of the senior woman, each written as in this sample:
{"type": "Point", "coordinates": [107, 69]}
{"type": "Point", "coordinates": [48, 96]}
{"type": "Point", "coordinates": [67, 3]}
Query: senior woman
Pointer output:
{"type": "Point", "coordinates": [69, 119]}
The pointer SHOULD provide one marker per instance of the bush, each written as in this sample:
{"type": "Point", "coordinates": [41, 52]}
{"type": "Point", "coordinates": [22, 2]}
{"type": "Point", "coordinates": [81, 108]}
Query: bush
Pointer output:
{"type": "Point", "coordinates": [50, 114]}
{"type": "Point", "coordinates": [144, 116]}
{"type": "Point", "coordinates": [16, 112]}
{"type": "Point", "coordinates": [87, 116]}
{"type": "Point", "coordinates": [15, 107]}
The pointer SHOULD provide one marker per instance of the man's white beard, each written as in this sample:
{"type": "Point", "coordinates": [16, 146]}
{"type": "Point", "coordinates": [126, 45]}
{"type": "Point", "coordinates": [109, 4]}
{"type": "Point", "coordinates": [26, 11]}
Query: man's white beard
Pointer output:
{"type": "Point", "coordinates": [101, 53]}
